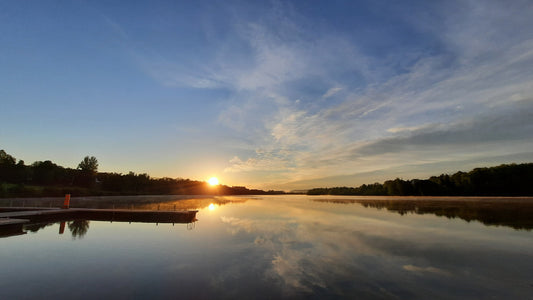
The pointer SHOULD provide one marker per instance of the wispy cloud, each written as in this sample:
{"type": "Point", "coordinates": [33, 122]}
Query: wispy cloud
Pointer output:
{"type": "Point", "coordinates": [276, 91]}
{"type": "Point", "coordinates": [447, 106]}
{"type": "Point", "coordinates": [332, 91]}
{"type": "Point", "coordinates": [319, 107]}
{"type": "Point", "coordinates": [264, 161]}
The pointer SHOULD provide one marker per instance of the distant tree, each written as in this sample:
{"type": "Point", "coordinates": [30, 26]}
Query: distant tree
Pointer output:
{"type": "Point", "coordinates": [503, 180]}
{"type": "Point", "coordinates": [89, 164]}
{"type": "Point", "coordinates": [398, 187]}
{"type": "Point", "coordinates": [9, 171]}
{"type": "Point", "coordinates": [6, 159]}
{"type": "Point", "coordinates": [88, 168]}
{"type": "Point", "coordinates": [46, 173]}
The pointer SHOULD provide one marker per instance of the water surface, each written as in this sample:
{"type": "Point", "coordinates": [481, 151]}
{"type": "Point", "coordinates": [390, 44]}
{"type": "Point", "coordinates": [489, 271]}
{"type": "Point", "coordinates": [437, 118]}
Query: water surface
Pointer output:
{"type": "Point", "coordinates": [282, 247]}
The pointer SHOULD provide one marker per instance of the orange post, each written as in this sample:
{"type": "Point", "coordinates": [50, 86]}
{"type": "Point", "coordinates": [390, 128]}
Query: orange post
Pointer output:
{"type": "Point", "coordinates": [66, 203]}
{"type": "Point", "coordinates": [62, 228]}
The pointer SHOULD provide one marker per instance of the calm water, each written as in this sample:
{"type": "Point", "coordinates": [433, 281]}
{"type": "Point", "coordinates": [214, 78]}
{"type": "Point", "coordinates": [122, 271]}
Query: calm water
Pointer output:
{"type": "Point", "coordinates": [284, 247]}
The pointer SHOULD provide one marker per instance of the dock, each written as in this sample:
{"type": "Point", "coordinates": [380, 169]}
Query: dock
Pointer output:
{"type": "Point", "coordinates": [9, 222]}
{"type": "Point", "coordinates": [113, 215]}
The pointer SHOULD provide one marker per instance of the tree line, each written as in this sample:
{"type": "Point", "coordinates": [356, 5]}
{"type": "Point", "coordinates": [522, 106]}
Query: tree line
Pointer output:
{"type": "Point", "coordinates": [45, 178]}
{"type": "Point", "coordinates": [502, 180]}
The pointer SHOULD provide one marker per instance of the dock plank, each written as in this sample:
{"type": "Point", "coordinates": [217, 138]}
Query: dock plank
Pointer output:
{"type": "Point", "coordinates": [30, 213]}
{"type": "Point", "coordinates": [5, 222]}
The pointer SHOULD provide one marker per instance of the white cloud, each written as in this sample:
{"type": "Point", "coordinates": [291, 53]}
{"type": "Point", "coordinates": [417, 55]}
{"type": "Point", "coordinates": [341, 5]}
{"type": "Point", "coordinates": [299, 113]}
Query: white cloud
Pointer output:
{"type": "Point", "coordinates": [332, 91]}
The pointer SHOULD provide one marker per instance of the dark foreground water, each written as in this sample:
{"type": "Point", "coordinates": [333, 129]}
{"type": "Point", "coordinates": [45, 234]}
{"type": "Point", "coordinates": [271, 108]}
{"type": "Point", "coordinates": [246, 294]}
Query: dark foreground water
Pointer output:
{"type": "Point", "coordinates": [282, 247]}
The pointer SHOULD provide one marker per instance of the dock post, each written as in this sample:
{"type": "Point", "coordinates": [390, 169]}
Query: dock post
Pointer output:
{"type": "Point", "coordinates": [66, 203]}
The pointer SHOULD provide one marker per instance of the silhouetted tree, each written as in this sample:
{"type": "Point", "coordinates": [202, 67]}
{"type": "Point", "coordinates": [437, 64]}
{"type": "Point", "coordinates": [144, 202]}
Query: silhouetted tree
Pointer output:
{"type": "Point", "coordinates": [47, 173]}
{"type": "Point", "coordinates": [7, 167]}
{"type": "Point", "coordinates": [6, 159]}
{"type": "Point", "coordinates": [89, 164]}
{"type": "Point", "coordinates": [503, 180]}
{"type": "Point", "coordinates": [88, 167]}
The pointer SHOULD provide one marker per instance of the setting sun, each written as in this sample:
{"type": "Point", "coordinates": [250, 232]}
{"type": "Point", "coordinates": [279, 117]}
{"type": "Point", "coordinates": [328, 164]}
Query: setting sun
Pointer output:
{"type": "Point", "coordinates": [213, 181]}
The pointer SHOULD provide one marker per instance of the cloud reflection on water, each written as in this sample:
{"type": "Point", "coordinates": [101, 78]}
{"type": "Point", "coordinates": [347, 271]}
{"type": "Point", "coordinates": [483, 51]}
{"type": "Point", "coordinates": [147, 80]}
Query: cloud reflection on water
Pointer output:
{"type": "Point", "coordinates": [319, 252]}
{"type": "Point", "coordinates": [416, 269]}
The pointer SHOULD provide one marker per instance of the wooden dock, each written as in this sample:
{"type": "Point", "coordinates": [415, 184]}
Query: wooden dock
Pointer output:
{"type": "Point", "coordinates": [9, 222]}
{"type": "Point", "coordinates": [113, 215]}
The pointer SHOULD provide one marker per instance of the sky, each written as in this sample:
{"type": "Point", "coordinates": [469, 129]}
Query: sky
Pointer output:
{"type": "Point", "coordinates": [269, 94]}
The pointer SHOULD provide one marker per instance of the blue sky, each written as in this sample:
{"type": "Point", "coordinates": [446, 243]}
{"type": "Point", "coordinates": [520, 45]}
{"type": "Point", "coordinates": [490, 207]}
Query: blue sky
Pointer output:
{"type": "Point", "coordinates": [269, 94]}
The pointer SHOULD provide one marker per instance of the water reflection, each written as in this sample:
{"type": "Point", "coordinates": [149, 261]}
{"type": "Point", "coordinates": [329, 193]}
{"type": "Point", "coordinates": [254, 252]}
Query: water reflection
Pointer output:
{"type": "Point", "coordinates": [34, 227]}
{"type": "Point", "coordinates": [194, 203]}
{"type": "Point", "coordinates": [146, 210]}
{"type": "Point", "coordinates": [8, 231]}
{"type": "Point", "coordinates": [282, 247]}
{"type": "Point", "coordinates": [328, 251]}
{"type": "Point", "coordinates": [78, 228]}
{"type": "Point", "coordinates": [514, 213]}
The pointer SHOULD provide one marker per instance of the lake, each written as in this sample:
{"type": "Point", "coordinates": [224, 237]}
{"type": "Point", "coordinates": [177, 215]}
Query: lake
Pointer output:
{"type": "Point", "coordinates": [271, 247]}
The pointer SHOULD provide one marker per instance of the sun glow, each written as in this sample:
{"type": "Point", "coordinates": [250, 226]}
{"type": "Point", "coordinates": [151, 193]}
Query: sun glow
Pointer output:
{"type": "Point", "coordinates": [213, 181]}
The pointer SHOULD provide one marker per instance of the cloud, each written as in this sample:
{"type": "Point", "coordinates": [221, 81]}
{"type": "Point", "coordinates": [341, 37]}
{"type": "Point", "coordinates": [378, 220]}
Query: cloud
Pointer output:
{"type": "Point", "coordinates": [265, 161]}
{"type": "Point", "coordinates": [179, 74]}
{"type": "Point", "coordinates": [332, 91]}
{"type": "Point", "coordinates": [422, 270]}
{"type": "Point", "coordinates": [446, 107]}
{"type": "Point", "coordinates": [308, 101]}
{"type": "Point", "coordinates": [512, 124]}
{"type": "Point", "coordinates": [407, 129]}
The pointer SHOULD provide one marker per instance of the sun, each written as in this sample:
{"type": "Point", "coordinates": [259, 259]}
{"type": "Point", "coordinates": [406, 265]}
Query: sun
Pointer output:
{"type": "Point", "coordinates": [213, 181]}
